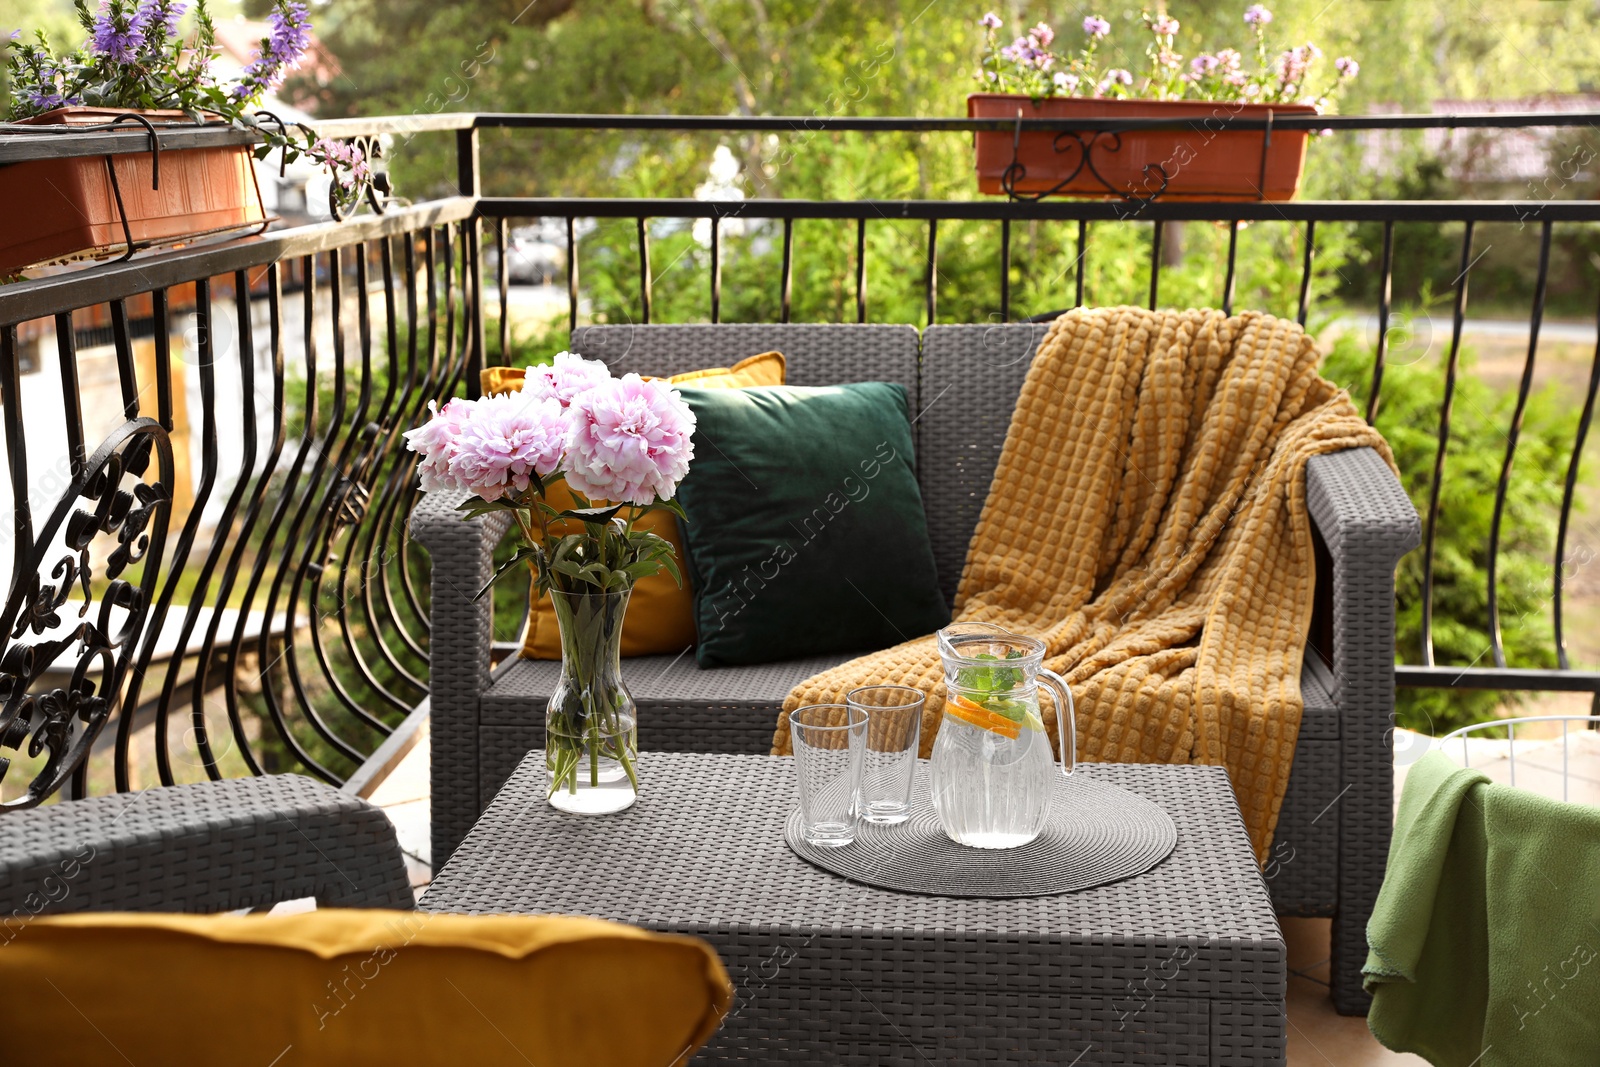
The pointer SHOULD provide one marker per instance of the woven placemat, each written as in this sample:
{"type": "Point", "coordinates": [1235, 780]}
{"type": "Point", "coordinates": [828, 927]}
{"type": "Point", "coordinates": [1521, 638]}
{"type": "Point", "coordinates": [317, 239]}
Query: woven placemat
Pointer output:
{"type": "Point", "coordinates": [1096, 833]}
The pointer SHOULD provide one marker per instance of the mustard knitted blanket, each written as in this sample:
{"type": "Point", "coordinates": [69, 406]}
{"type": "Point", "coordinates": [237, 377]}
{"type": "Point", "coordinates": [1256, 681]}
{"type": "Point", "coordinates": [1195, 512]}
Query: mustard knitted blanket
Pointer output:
{"type": "Point", "coordinates": [1147, 520]}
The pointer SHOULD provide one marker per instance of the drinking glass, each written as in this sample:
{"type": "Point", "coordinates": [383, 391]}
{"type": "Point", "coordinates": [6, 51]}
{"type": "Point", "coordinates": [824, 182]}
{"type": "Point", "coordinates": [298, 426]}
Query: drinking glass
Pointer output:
{"type": "Point", "coordinates": [829, 741]}
{"type": "Point", "coordinates": [894, 729]}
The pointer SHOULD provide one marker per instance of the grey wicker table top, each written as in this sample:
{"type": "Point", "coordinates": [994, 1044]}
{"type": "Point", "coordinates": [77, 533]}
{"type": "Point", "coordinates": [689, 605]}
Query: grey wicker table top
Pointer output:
{"type": "Point", "coordinates": [1182, 965]}
{"type": "Point", "coordinates": [703, 851]}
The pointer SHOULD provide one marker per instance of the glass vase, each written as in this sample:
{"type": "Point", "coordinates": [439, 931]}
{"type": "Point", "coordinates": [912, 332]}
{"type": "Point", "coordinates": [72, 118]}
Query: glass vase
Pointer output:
{"type": "Point", "coordinates": [591, 731]}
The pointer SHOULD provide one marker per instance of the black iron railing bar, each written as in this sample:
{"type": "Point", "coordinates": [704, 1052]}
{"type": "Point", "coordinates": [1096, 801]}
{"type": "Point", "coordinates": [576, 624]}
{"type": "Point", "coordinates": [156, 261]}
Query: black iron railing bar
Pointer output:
{"type": "Point", "coordinates": [1512, 211]}
{"type": "Point", "coordinates": [206, 348]}
{"type": "Point", "coordinates": [300, 501]}
{"type": "Point", "coordinates": [786, 283]}
{"type": "Point", "coordinates": [1524, 388]}
{"type": "Point", "coordinates": [220, 543]}
{"type": "Point", "coordinates": [44, 297]}
{"type": "Point", "coordinates": [1233, 255]}
{"type": "Point", "coordinates": [250, 521]}
{"type": "Point", "coordinates": [1385, 303]}
{"type": "Point", "coordinates": [1305, 272]}
{"type": "Point", "coordinates": [1568, 492]}
{"type": "Point", "coordinates": [1458, 318]}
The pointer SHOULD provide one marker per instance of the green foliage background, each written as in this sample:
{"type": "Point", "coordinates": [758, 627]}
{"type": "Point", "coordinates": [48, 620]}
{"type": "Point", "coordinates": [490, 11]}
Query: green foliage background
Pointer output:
{"type": "Point", "coordinates": [915, 57]}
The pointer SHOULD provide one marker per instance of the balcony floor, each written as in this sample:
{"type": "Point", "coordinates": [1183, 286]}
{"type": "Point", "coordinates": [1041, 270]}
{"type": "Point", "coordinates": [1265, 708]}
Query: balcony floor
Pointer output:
{"type": "Point", "coordinates": [1318, 1036]}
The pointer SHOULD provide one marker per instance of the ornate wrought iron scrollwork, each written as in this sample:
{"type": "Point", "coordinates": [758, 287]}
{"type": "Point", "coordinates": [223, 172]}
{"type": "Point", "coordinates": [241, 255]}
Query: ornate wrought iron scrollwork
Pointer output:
{"type": "Point", "coordinates": [1066, 141]}
{"type": "Point", "coordinates": [367, 183]}
{"type": "Point", "coordinates": [110, 499]}
{"type": "Point", "coordinates": [344, 193]}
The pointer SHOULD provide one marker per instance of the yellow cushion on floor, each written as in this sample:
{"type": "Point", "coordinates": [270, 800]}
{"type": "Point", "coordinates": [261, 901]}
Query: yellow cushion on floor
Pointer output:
{"type": "Point", "coordinates": [352, 987]}
{"type": "Point", "coordinates": [660, 617]}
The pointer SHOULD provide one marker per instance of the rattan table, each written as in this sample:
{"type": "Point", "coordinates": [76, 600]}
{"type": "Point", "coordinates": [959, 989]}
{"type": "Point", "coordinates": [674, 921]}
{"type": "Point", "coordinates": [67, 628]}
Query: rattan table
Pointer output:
{"type": "Point", "coordinates": [1182, 965]}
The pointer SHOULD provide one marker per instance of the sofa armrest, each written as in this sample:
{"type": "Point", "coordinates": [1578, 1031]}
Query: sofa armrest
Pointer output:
{"type": "Point", "coordinates": [1366, 524]}
{"type": "Point", "coordinates": [461, 623]}
{"type": "Point", "coordinates": [462, 633]}
{"type": "Point", "coordinates": [209, 846]}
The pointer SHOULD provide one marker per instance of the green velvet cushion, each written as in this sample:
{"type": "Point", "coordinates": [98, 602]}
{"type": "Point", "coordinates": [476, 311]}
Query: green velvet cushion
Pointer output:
{"type": "Point", "coordinates": [805, 530]}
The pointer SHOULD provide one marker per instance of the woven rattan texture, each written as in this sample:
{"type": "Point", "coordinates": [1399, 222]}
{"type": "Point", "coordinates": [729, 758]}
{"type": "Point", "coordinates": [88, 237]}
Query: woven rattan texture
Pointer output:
{"type": "Point", "coordinates": [830, 971]}
{"type": "Point", "coordinates": [971, 376]}
{"type": "Point", "coordinates": [1096, 833]}
{"type": "Point", "coordinates": [1331, 841]}
{"type": "Point", "coordinates": [1368, 523]}
{"type": "Point", "coordinates": [462, 552]}
{"type": "Point", "coordinates": [816, 353]}
{"type": "Point", "coordinates": [211, 846]}
{"type": "Point", "coordinates": [1152, 474]}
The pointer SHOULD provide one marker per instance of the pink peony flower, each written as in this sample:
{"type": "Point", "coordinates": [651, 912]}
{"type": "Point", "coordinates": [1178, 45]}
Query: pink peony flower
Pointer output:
{"type": "Point", "coordinates": [505, 441]}
{"type": "Point", "coordinates": [565, 378]}
{"type": "Point", "coordinates": [629, 441]}
{"type": "Point", "coordinates": [435, 440]}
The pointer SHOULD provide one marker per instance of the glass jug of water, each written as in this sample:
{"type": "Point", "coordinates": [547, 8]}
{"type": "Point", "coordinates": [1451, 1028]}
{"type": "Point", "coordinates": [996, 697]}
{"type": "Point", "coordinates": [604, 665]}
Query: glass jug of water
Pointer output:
{"type": "Point", "coordinates": [991, 772]}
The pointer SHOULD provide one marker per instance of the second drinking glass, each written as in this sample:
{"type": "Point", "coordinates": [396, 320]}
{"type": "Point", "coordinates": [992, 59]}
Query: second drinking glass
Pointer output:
{"type": "Point", "coordinates": [894, 731]}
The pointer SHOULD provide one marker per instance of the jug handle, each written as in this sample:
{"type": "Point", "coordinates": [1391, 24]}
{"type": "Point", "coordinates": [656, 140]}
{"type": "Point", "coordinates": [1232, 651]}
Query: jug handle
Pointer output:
{"type": "Point", "coordinates": [1066, 719]}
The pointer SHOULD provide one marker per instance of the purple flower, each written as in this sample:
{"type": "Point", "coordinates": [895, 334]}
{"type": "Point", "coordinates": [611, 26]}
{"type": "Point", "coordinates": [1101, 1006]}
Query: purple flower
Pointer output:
{"type": "Point", "coordinates": [116, 35]}
{"type": "Point", "coordinates": [158, 21]}
{"type": "Point", "coordinates": [280, 52]}
{"type": "Point", "coordinates": [1164, 25]}
{"type": "Point", "coordinates": [1257, 15]}
{"type": "Point", "coordinates": [991, 21]}
{"type": "Point", "coordinates": [1229, 58]}
{"type": "Point", "coordinates": [566, 378]}
{"type": "Point", "coordinates": [1095, 26]}
{"type": "Point", "coordinates": [1347, 67]}
{"type": "Point", "coordinates": [1065, 82]}
{"type": "Point", "coordinates": [1204, 64]}
{"type": "Point", "coordinates": [629, 441]}
{"type": "Point", "coordinates": [1044, 34]}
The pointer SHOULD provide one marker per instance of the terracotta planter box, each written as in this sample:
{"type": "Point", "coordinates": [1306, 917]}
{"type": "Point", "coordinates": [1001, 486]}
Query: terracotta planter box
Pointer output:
{"type": "Point", "coordinates": [1195, 164]}
{"type": "Point", "coordinates": [64, 209]}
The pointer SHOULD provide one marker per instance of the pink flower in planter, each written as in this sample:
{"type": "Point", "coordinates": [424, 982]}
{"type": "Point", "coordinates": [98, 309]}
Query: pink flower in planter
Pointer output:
{"type": "Point", "coordinates": [1095, 26]}
{"type": "Point", "coordinates": [1257, 15]}
{"type": "Point", "coordinates": [1347, 67]}
{"type": "Point", "coordinates": [435, 440]}
{"type": "Point", "coordinates": [991, 21]}
{"type": "Point", "coordinates": [505, 440]}
{"type": "Point", "coordinates": [629, 440]}
{"type": "Point", "coordinates": [1044, 34]}
{"type": "Point", "coordinates": [1114, 79]}
{"type": "Point", "coordinates": [1164, 25]}
{"type": "Point", "coordinates": [565, 378]}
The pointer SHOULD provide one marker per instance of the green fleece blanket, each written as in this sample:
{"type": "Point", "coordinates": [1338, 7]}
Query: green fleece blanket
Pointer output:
{"type": "Point", "coordinates": [1485, 941]}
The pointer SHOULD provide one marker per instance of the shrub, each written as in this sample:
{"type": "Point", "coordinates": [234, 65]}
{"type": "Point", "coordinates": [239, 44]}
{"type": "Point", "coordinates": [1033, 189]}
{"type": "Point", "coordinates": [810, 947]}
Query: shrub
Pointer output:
{"type": "Point", "coordinates": [1408, 417]}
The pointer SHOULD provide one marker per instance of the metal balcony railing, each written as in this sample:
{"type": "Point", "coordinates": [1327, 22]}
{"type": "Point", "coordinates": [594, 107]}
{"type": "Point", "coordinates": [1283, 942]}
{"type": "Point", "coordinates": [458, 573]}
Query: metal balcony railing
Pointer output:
{"type": "Point", "coordinates": [213, 576]}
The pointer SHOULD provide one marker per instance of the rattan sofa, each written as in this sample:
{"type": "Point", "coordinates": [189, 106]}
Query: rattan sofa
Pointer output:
{"type": "Point", "coordinates": [203, 847]}
{"type": "Point", "coordinates": [962, 382]}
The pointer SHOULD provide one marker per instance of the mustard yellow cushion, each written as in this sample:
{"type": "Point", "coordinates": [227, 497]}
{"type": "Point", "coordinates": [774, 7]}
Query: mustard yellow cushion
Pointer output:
{"type": "Point", "coordinates": [765, 369]}
{"type": "Point", "coordinates": [660, 617]}
{"type": "Point", "coordinates": [353, 988]}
